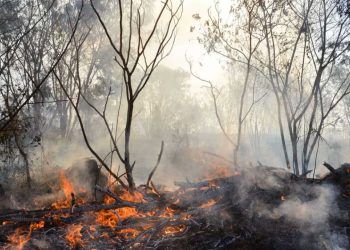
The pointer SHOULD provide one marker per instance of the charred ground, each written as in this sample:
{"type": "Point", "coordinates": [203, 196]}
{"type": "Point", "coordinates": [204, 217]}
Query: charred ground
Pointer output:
{"type": "Point", "coordinates": [253, 208]}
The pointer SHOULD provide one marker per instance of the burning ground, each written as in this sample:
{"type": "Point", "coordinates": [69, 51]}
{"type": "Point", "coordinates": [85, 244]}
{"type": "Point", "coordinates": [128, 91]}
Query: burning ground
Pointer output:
{"type": "Point", "coordinates": [251, 208]}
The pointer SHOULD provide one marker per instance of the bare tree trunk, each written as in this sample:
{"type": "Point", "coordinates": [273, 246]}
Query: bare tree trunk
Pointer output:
{"type": "Point", "coordinates": [25, 159]}
{"type": "Point", "coordinates": [128, 166]}
{"type": "Point", "coordinates": [240, 116]}
{"type": "Point", "coordinates": [275, 91]}
{"type": "Point", "coordinates": [311, 122]}
{"type": "Point", "coordinates": [294, 141]}
{"type": "Point", "coordinates": [283, 140]}
{"type": "Point", "coordinates": [62, 112]}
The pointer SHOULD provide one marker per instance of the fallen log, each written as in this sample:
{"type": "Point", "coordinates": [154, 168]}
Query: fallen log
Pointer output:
{"type": "Point", "coordinates": [47, 214]}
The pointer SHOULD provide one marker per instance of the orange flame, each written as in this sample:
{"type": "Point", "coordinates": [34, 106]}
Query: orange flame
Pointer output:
{"type": "Point", "coordinates": [107, 218]}
{"type": "Point", "coordinates": [129, 233]}
{"type": "Point", "coordinates": [111, 218]}
{"type": "Point", "coordinates": [133, 197]}
{"type": "Point", "coordinates": [68, 190]}
{"type": "Point", "coordinates": [169, 212]}
{"type": "Point", "coordinates": [74, 236]}
{"type": "Point", "coordinates": [19, 239]}
{"type": "Point", "coordinates": [174, 229]}
{"type": "Point", "coordinates": [66, 185]}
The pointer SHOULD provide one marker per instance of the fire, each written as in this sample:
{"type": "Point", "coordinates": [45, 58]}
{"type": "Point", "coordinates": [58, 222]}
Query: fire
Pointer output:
{"type": "Point", "coordinates": [107, 218]}
{"type": "Point", "coordinates": [133, 197]}
{"type": "Point", "coordinates": [66, 185]}
{"type": "Point", "coordinates": [174, 229]}
{"type": "Point", "coordinates": [74, 236]}
{"type": "Point", "coordinates": [208, 204]}
{"type": "Point", "coordinates": [283, 198]}
{"type": "Point", "coordinates": [111, 218]}
{"type": "Point", "coordinates": [126, 212]}
{"type": "Point", "coordinates": [129, 233]}
{"type": "Point", "coordinates": [169, 212]}
{"type": "Point", "coordinates": [35, 226]}
{"type": "Point", "coordinates": [19, 239]}
{"type": "Point", "coordinates": [108, 200]}
{"type": "Point", "coordinates": [68, 190]}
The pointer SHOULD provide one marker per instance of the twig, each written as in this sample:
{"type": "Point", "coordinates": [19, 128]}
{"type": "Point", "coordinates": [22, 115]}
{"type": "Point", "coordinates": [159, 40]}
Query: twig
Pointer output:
{"type": "Point", "coordinates": [157, 164]}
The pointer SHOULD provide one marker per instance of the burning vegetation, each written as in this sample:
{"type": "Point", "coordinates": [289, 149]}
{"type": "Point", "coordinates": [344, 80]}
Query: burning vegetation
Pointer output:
{"type": "Point", "coordinates": [254, 208]}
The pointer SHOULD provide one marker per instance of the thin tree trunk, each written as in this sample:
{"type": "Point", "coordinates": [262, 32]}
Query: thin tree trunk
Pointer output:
{"type": "Point", "coordinates": [25, 159]}
{"type": "Point", "coordinates": [240, 117]}
{"type": "Point", "coordinates": [275, 91]}
{"type": "Point", "coordinates": [128, 166]}
{"type": "Point", "coordinates": [311, 123]}
{"type": "Point", "coordinates": [294, 141]}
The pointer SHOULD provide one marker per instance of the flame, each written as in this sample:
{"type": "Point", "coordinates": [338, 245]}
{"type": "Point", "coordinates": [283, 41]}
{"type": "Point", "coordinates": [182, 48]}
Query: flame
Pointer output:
{"type": "Point", "coordinates": [133, 197]}
{"type": "Point", "coordinates": [283, 198]}
{"type": "Point", "coordinates": [35, 226]}
{"type": "Point", "coordinates": [68, 190]}
{"type": "Point", "coordinates": [174, 229]}
{"type": "Point", "coordinates": [129, 233]}
{"type": "Point", "coordinates": [19, 239]}
{"type": "Point", "coordinates": [107, 218]}
{"type": "Point", "coordinates": [108, 200]}
{"type": "Point", "coordinates": [111, 218]}
{"type": "Point", "coordinates": [66, 185]}
{"type": "Point", "coordinates": [208, 204]}
{"type": "Point", "coordinates": [127, 212]}
{"type": "Point", "coordinates": [169, 212]}
{"type": "Point", "coordinates": [74, 236]}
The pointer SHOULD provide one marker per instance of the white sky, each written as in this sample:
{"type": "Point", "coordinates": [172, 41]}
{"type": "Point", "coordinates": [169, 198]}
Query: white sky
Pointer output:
{"type": "Point", "coordinates": [186, 43]}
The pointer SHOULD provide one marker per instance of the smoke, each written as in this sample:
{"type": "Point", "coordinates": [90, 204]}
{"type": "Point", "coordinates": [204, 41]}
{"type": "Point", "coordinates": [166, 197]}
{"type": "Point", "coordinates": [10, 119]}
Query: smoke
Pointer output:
{"type": "Point", "coordinates": [315, 212]}
{"type": "Point", "coordinates": [311, 208]}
